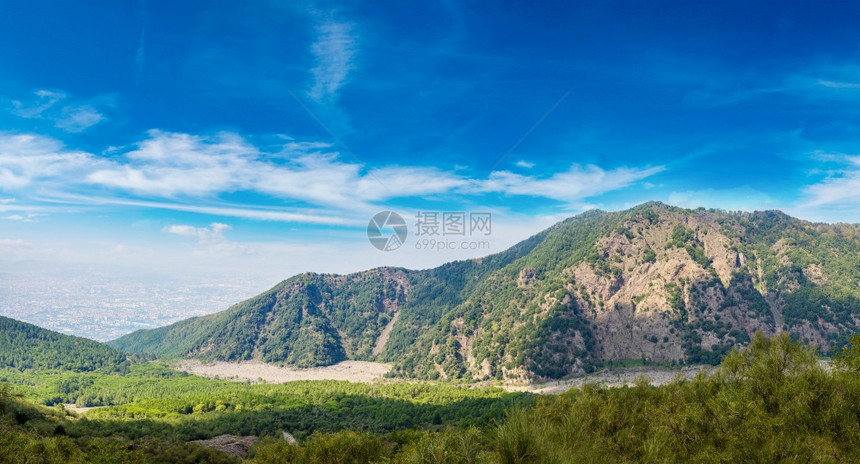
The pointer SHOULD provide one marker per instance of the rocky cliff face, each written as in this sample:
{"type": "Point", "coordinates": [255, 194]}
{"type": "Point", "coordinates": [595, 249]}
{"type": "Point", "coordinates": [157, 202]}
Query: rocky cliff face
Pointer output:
{"type": "Point", "coordinates": [663, 296]}
{"type": "Point", "coordinates": [653, 283]}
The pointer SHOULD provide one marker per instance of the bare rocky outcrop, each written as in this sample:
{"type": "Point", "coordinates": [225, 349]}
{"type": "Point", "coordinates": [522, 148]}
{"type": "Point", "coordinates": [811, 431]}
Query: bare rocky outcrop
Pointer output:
{"type": "Point", "coordinates": [231, 444]}
{"type": "Point", "coordinates": [671, 287]}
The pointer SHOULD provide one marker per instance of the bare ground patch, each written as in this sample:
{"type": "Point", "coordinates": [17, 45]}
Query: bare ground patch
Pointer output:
{"type": "Point", "coordinates": [231, 444]}
{"type": "Point", "coordinates": [386, 332]}
{"type": "Point", "coordinates": [254, 371]}
{"type": "Point", "coordinates": [73, 408]}
{"type": "Point", "coordinates": [613, 378]}
{"type": "Point", "coordinates": [369, 372]}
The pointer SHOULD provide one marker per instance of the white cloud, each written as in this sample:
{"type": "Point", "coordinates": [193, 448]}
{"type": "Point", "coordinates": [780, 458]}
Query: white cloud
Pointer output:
{"type": "Point", "coordinates": [169, 164]}
{"type": "Point", "coordinates": [325, 181]}
{"type": "Point", "coordinates": [839, 85]}
{"type": "Point", "coordinates": [186, 172]}
{"type": "Point", "coordinates": [334, 50]}
{"type": "Point", "coordinates": [26, 159]}
{"type": "Point", "coordinates": [70, 116]}
{"type": "Point", "coordinates": [405, 181]}
{"type": "Point", "coordinates": [45, 100]}
{"type": "Point", "coordinates": [833, 82]}
{"type": "Point", "coordinates": [213, 233]}
{"type": "Point", "coordinates": [570, 186]}
{"type": "Point", "coordinates": [827, 82]}
{"type": "Point", "coordinates": [78, 118]}
{"type": "Point", "coordinates": [525, 164]}
{"type": "Point", "coordinates": [26, 217]}
{"type": "Point", "coordinates": [305, 216]}
{"type": "Point", "coordinates": [210, 240]}
{"type": "Point", "coordinates": [840, 188]}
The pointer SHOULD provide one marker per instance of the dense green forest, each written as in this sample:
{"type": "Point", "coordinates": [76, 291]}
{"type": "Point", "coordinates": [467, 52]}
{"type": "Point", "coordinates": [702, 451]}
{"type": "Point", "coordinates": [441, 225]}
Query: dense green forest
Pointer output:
{"type": "Point", "coordinates": [25, 346]}
{"type": "Point", "coordinates": [771, 402]}
{"type": "Point", "coordinates": [191, 407]}
{"type": "Point", "coordinates": [160, 412]}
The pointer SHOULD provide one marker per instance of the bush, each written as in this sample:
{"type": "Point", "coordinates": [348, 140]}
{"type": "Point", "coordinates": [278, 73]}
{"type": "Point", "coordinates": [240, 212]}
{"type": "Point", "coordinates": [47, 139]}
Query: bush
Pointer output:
{"type": "Point", "coordinates": [346, 447]}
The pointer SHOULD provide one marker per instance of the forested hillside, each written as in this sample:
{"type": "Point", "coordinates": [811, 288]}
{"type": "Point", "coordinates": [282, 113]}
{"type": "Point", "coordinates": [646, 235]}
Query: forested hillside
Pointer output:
{"type": "Point", "coordinates": [308, 320]}
{"type": "Point", "coordinates": [25, 346]}
{"type": "Point", "coordinates": [653, 284]}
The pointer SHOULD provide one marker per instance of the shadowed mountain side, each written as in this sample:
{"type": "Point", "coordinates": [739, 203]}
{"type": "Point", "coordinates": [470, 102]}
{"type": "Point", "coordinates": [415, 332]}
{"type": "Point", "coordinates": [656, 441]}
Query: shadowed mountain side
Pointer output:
{"type": "Point", "coordinates": [25, 346]}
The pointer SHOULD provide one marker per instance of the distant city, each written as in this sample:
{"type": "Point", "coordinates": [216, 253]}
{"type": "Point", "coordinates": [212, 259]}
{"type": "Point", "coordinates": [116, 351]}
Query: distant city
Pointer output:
{"type": "Point", "coordinates": [103, 307]}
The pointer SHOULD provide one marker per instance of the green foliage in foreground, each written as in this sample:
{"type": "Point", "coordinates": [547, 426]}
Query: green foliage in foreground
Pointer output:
{"type": "Point", "coordinates": [772, 402]}
{"type": "Point", "coordinates": [31, 434]}
{"type": "Point", "coordinates": [769, 403]}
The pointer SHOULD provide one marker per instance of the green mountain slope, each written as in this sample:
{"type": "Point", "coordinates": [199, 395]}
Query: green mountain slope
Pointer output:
{"type": "Point", "coordinates": [26, 346]}
{"type": "Point", "coordinates": [654, 283]}
{"type": "Point", "coordinates": [308, 320]}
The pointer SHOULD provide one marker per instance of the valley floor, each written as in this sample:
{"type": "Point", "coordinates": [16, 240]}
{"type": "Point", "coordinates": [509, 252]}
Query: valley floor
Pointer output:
{"type": "Point", "coordinates": [619, 377]}
{"type": "Point", "coordinates": [369, 372]}
{"type": "Point", "coordinates": [256, 371]}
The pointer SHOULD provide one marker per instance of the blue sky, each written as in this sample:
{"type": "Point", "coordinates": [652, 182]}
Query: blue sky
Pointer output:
{"type": "Point", "coordinates": [258, 138]}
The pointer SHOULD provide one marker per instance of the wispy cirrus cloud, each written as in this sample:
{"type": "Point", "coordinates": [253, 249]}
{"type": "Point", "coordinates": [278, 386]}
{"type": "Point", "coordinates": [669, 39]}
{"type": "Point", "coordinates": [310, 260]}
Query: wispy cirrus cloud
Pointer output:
{"type": "Point", "coordinates": [822, 84]}
{"type": "Point", "coordinates": [215, 232]}
{"type": "Point", "coordinates": [169, 165]}
{"type": "Point", "coordinates": [840, 188]}
{"type": "Point", "coordinates": [525, 164]}
{"type": "Point", "coordinates": [301, 181]}
{"type": "Point", "coordinates": [172, 164]}
{"type": "Point", "coordinates": [25, 217]}
{"type": "Point", "coordinates": [839, 85]}
{"type": "Point", "coordinates": [334, 50]}
{"type": "Point", "coordinates": [575, 184]}
{"type": "Point", "coordinates": [58, 108]}
{"type": "Point", "coordinates": [210, 240]}
{"type": "Point", "coordinates": [26, 159]}
{"type": "Point", "coordinates": [44, 101]}
{"type": "Point", "coordinates": [845, 77]}
{"type": "Point", "coordinates": [78, 118]}
{"type": "Point", "coordinates": [255, 212]}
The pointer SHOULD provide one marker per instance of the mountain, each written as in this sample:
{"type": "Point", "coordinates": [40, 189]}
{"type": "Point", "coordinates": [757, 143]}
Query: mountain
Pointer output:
{"type": "Point", "coordinates": [26, 346]}
{"type": "Point", "coordinates": [654, 283]}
